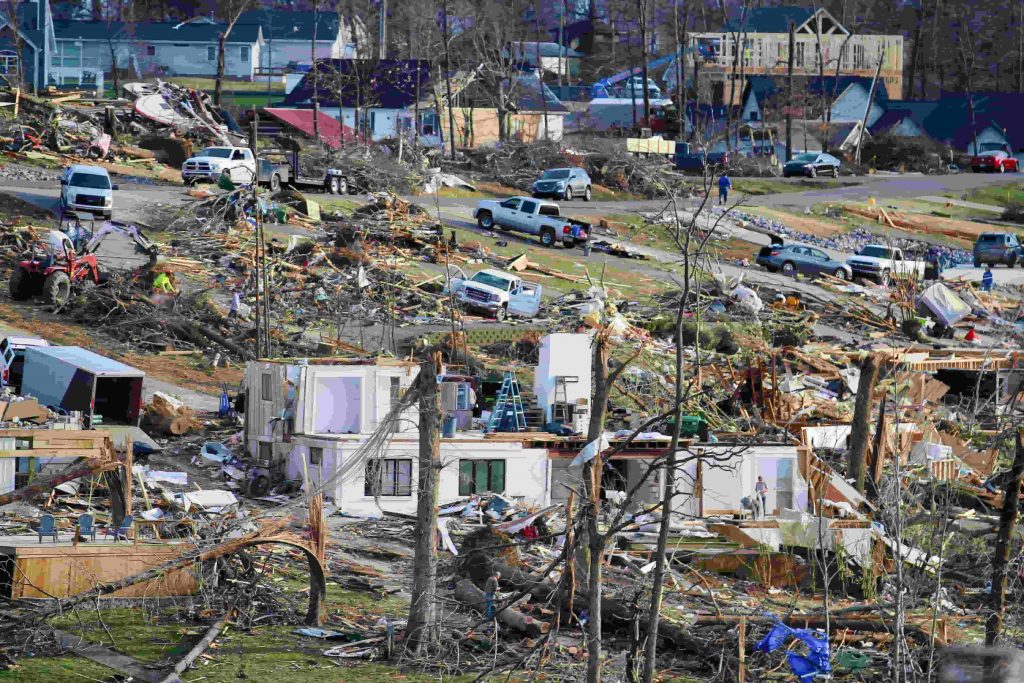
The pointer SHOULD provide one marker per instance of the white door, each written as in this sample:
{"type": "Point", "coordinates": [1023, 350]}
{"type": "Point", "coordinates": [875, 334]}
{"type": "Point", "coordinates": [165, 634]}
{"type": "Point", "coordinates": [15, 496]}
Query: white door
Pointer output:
{"type": "Point", "coordinates": [525, 301]}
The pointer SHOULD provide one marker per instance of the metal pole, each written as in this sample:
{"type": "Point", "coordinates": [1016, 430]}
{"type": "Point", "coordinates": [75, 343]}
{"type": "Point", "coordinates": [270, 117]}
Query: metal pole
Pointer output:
{"type": "Point", "coordinates": [382, 30]}
{"type": "Point", "coordinates": [313, 69]}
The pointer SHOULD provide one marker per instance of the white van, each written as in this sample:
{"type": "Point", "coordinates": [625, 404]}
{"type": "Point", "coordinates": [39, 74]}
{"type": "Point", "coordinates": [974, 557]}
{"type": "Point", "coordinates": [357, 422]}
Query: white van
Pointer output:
{"type": "Point", "coordinates": [12, 358]}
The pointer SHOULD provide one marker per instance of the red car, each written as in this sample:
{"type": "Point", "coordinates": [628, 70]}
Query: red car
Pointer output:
{"type": "Point", "coordinates": [994, 161]}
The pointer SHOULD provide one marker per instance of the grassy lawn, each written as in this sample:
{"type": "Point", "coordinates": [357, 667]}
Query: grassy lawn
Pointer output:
{"type": "Point", "coordinates": [202, 83]}
{"type": "Point", "coordinates": [763, 186]}
{"type": "Point", "coordinates": [997, 195]}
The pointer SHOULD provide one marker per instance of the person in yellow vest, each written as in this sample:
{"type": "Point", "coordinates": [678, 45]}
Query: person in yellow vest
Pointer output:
{"type": "Point", "coordinates": [163, 283]}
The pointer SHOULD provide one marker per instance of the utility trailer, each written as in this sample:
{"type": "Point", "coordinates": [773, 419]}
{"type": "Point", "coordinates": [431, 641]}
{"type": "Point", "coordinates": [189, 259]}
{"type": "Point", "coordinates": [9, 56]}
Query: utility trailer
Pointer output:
{"type": "Point", "coordinates": [71, 378]}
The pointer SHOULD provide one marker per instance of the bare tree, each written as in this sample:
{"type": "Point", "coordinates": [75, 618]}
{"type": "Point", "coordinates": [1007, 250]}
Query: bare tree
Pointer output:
{"type": "Point", "coordinates": [11, 18]}
{"type": "Point", "coordinates": [497, 41]}
{"type": "Point", "coordinates": [231, 10]}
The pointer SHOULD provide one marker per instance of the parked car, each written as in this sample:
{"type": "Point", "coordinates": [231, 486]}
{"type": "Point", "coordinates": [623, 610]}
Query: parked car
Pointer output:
{"type": "Point", "coordinates": [634, 87]}
{"type": "Point", "coordinates": [696, 159]}
{"type": "Point", "coordinates": [563, 183]}
{"type": "Point", "coordinates": [87, 188]}
{"type": "Point", "coordinates": [799, 258]}
{"type": "Point", "coordinates": [212, 161]}
{"type": "Point", "coordinates": [880, 262]}
{"type": "Point", "coordinates": [812, 164]}
{"type": "Point", "coordinates": [533, 217]}
{"type": "Point", "coordinates": [12, 359]}
{"type": "Point", "coordinates": [497, 293]}
{"type": "Point", "coordinates": [994, 161]}
{"type": "Point", "coordinates": [998, 247]}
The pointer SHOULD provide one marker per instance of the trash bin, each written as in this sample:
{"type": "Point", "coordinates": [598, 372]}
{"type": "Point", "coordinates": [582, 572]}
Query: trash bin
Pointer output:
{"type": "Point", "coordinates": [448, 427]}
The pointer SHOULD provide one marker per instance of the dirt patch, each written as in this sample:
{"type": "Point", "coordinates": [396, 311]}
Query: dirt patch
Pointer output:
{"type": "Point", "coordinates": [193, 372]}
{"type": "Point", "coordinates": [18, 211]}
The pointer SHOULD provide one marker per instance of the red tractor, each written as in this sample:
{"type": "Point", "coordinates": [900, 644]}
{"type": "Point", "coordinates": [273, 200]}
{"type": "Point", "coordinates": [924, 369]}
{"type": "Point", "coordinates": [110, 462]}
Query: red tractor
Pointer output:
{"type": "Point", "coordinates": [52, 278]}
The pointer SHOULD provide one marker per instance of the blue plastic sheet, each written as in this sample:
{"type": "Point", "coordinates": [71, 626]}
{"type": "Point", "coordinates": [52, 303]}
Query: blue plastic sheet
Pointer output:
{"type": "Point", "coordinates": [804, 667]}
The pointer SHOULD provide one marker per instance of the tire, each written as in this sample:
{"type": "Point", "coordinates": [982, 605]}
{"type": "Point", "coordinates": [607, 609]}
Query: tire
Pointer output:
{"type": "Point", "coordinates": [501, 314]}
{"type": "Point", "coordinates": [1012, 261]}
{"type": "Point", "coordinates": [840, 274]}
{"type": "Point", "coordinates": [587, 194]}
{"type": "Point", "coordinates": [1002, 168]}
{"type": "Point", "coordinates": [812, 172]}
{"type": "Point", "coordinates": [57, 288]}
{"type": "Point", "coordinates": [337, 185]}
{"type": "Point", "coordinates": [260, 486]}
{"type": "Point", "coordinates": [785, 174]}
{"type": "Point", "coordinates": [275, 182]}
{"type": "Point", "coordinates": [788, 268]}
{"type": "Point", "coordinates": [485, 220]}
{"type": "Point", "coordinates": [884, 277]}
{"type": "Point", "coordinates": [19, 285]}
{"type": "Point", "coordinates": [835, 172]}
{"type": "Point", "coordinates": [547, 237]}
{"type": "Point", "coordinates": [568, 193]}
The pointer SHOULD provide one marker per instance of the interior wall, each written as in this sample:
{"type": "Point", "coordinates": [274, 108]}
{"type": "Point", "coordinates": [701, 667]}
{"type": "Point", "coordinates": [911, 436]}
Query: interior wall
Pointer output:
{"type": "Point", "coordinates": [338, 408]}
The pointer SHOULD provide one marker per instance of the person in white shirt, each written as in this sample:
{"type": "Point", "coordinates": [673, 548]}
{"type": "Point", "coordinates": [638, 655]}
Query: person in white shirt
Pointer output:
{"type": "Point", "coordinates": [58, 247]}
{"type": "Point", "coordinates": [761, 489]}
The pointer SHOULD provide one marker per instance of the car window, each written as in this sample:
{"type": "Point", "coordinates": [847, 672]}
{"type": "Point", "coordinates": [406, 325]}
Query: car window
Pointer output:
{"type": "Point", "coordinates": [988, 238]}
{"type": "Point", "coordinates": [558, 174]}
{"type": "Point", "coordinates": [90, 180]}
{"type": "Point", "coordinates": [819, 254]}
{"type": "Point", "coordinates": [510, 204]}
{"type": "Point", "coordinates": [799, 251]}
{"type": "Point", "coordinates": [529, 207]}
{"type": "Point", "coordinates": [492, 281]}
{"type": "Point", "coordinates": [3, 346]}
{"type": "Point", "coordinates": [237, 154]}
{"type": "Point", "coordinates": [215, 152]}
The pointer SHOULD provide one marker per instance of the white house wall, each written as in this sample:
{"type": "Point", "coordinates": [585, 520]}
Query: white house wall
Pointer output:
{"type": "Point", "coordinates": [727, 481]}
{"type": "Point", "coordinates": [278, 53]}
{"type": "Point", "coordinates": [174, 59]}
{"type": "Point", "coordinates": [527, 473]}
{"type": "Point", "coordinates": [316, 406]}
{"type": "Point", "coordinates": [564, 355]}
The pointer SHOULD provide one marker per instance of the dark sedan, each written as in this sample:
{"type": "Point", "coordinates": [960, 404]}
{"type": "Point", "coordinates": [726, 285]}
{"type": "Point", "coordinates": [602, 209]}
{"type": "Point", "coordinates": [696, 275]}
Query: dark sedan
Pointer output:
{"type": "Point", "coordinates": [812, 164]}
{"type": "Point", "coordinates": [798, 258]}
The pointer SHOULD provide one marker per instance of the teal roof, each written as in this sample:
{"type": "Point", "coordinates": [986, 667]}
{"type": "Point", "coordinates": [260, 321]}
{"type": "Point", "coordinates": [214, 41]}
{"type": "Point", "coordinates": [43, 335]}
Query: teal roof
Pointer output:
{"type": "Point", "coordinates": [292, 25]}
{"type": "Point", "coordinates": [155, 32]}
{"type": "Point", "coordinates": [769, 20]}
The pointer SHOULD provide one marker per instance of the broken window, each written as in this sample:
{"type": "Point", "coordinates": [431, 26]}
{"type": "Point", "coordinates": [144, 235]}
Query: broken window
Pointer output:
{"type": "Point", "coordinates": [266, 386]}
{"type": "Point", "coordinates": [388, 477]}
{"type": "Point", "coordinates": [395, 390]}
{"type": "Point", "coordinates": [316, 455]}
{"type": "Point", "coordinates": [481, 476]}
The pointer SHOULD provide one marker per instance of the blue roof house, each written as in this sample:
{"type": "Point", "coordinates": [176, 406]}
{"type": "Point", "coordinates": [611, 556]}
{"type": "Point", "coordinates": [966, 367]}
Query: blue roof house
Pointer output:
{"type": "Point", "coordinates": [187, 48]}
{"type": "Point", "coordinates": [33, 38]}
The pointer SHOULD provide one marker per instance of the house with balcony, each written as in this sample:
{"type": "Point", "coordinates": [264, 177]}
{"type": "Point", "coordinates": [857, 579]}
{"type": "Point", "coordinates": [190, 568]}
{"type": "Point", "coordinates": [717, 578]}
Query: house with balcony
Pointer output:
{"type": "Point", "coordinates": [757, 44]}
{"type": "Point", "coordinates": [187, 48]}
{"type": "Point", "coordinates": [27, 48]}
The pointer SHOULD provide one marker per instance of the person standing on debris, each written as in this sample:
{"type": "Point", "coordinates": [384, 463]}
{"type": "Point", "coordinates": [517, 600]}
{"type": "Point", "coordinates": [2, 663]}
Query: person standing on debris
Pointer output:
{"type": "Point", "coordinates": [724, 185]}
{"type": "Point", "coordinates": [236, 303]}
{"type": "Point", "coordinates": [761, 489]}
{"type": "Point", "coordinates": [987, 280]}
{"type": "Point", "coordinates": [490, 588]}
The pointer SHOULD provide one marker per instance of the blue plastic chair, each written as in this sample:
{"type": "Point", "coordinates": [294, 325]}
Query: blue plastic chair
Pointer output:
{"type": "Point", "coordinates": [121, 531]}
{"type": "Point", "coordinates": [47, 527]}
{"type": "Point", "coordinates": [86, 527]}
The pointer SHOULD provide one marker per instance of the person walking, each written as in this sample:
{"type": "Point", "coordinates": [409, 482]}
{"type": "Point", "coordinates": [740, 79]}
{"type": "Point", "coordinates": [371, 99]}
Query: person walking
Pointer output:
{"type": "Point", "coordinates": [761, 489]}
{"type": "Point", "coordinates": [724, 185]}
{"type": "Point", "coordinates": [988, 280]}
{"type": "Point", "coordinates": [236, 303]}
{"type": "Point", "coordinates": [490, 588]}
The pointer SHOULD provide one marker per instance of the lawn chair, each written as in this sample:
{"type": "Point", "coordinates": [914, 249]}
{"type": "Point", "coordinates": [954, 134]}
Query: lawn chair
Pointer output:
{"type": "Point", "coordinates": [121, 531]}
{"type": "Point", "coordinates": [86, 527]}
{"type": "Point", "coordinates": [47, 527]}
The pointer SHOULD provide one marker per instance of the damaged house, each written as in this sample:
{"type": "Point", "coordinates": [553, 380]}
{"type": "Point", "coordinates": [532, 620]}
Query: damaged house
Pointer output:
{"type": "Point", "coordinates": [315, 420]}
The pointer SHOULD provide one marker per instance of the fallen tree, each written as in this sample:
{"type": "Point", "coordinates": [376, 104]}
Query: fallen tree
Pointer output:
{"type": "Point", "coordinates": [468, 594]}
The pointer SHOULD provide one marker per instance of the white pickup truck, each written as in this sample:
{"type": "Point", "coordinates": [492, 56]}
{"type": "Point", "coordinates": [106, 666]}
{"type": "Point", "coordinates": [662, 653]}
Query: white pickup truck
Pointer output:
{"type": "Point", "coordinates": [881, 263]}
{"type": "Point", "coordinates": [496, 292]}
{"type": "Point", "coordinates": [212, 161]}
{"type": "Point", "coordinates": [533, 217]}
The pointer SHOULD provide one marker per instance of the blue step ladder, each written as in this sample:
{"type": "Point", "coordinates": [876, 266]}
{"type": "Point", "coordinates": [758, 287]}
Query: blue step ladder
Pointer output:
{"type": "Point", "coordinates": [508, 415]}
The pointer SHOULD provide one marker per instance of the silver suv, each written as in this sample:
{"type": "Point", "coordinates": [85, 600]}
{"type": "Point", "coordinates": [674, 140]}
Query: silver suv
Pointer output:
{"type": "Point", "coordinates": [563, 183]}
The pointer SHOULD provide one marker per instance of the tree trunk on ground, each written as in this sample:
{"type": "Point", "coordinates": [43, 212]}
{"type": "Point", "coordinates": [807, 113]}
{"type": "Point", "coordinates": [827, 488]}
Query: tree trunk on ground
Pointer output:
{"type": "Point", "coordinates": [1001, 554]}
{"type": "Point", "coordinates": [41, 485]}
{"type": "Point", "coordinates": [860, 426]}
{"type": "Point", "coordinates": [422, 629]}
{"type": "Point", "coordinates": [468, 594]}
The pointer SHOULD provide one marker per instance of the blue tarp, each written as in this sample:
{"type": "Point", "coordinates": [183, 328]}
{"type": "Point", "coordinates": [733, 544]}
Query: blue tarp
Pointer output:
{"type": "Point", "coordinates": [805, 667]}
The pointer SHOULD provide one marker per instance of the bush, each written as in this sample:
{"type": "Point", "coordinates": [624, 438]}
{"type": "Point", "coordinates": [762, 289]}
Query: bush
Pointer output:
{"type": "Point", "coordinates": [1014, 213]}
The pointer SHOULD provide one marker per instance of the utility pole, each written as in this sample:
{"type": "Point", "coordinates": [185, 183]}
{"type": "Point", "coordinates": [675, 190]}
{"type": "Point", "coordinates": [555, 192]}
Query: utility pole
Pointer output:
{"type": "Point", "coordinates": [313, 69]}
{"type": "Point", "coordinates": [422, 624]}
{"type": "Point", "coordinates": [789, 95]}
{"type": "Point", "coordinates": [382, 30]}
{"type": "Point", "coordinates": [867, 108]}
{"type": "Point", "coordinates": [1007, 521]}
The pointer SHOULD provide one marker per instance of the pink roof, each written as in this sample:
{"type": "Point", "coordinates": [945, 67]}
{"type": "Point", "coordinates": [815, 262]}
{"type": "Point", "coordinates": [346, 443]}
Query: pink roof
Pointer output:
{"type": "Point", "coordinates": [331, 131]}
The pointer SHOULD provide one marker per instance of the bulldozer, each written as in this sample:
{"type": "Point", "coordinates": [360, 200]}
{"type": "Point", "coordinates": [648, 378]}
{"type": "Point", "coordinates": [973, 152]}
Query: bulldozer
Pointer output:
{"type": "Point", "coordinates": [52, 279]}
